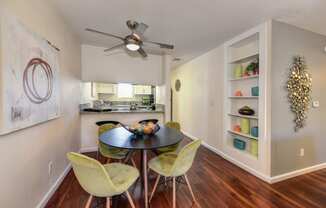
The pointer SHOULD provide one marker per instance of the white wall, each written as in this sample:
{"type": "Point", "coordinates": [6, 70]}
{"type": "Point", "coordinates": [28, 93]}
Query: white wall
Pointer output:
{"type": "Point", "coordinates": [199, 103]}
{"type": "Point", "coordinates": [86, 93]}
{"type": "Point", "coordinates": [25, 154]}
{"type": "Point", "coordinates": [118, 66]}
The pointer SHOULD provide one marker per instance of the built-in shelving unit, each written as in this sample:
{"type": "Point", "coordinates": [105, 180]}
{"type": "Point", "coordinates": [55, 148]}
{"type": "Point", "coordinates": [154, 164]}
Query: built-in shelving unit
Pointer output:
{"type": "Point", "coordinates": [244, 78]}
{"type": "Point", "coordinates": [241, 143]}
{"type": "Point", "coordinates": [244, 97]}
{"type": "Point", "coordinates": [239, 92]}
{"type": "Point", "coordinates": [243, 116]}
{"type": "Point", "coordinates": [245, 58]}
{"type": "Point", "coordinates": [242, 135]}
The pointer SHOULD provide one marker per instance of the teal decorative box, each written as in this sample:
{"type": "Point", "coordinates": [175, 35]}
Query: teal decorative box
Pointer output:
{"type": "Point", "coordinates": [239, 144]}
{"type": "Point", "coordinates": [254, 131]}
{"type": "Point", "coordinates": [255, 91]}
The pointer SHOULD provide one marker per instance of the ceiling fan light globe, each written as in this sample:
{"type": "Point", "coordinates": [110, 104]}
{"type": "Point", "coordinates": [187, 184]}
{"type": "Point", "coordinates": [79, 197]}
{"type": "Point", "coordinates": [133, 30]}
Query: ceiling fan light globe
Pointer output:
{"type": "Point", "coordinates": [132, 46]}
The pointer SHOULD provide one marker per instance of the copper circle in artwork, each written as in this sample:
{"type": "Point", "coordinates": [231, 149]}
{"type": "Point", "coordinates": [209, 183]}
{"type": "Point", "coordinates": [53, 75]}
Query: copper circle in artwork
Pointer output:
{"type": "Point", "coordinates": [38, 81]}
{"type": "Point", "coordinates": [177, 85]}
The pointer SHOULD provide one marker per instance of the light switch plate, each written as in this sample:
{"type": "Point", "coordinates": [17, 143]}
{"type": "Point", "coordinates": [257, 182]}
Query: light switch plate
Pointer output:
{"type": "Point", "coordinates": [315, 104]}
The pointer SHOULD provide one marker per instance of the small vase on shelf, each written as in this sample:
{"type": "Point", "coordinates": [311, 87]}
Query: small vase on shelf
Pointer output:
{"type": "Point", "coordinates": [245, 125]}
{"type": "Point", "coordinates": [238, 71]}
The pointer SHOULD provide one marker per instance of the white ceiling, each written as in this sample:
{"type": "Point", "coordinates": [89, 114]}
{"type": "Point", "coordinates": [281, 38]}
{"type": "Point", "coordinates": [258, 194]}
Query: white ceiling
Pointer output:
{"type": "Point", "coordinates": [193, 26]}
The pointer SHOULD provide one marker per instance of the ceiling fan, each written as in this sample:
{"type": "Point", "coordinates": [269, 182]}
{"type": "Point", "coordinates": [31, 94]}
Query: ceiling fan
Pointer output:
{"type": "Point", "coordinates": [135, 41]}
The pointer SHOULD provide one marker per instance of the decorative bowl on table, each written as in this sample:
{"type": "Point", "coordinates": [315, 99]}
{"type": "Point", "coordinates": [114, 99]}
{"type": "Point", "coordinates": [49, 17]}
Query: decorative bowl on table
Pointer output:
{"type": "Point", "coordinates": [143, 128]}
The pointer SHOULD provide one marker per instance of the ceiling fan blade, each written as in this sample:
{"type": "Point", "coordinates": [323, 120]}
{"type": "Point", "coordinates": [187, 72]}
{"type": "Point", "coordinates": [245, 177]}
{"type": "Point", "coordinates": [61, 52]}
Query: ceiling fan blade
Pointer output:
{"type": "Point", "coordinates": [114, 47]}
{"type": "Point", "coordinates": [103, 33]}
{"type": "Point", "coordinates": [142, 52]}
{"type": "Point", "coordinates": [141, 28]}
{"type": "Point", "coordinates": [162, 45]}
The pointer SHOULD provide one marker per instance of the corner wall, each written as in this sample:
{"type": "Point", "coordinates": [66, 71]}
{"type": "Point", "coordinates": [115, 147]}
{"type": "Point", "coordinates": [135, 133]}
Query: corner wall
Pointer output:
{"type": "Point", "coordinates": [198, 105]}
{"type": "Point", "coordinates": [25, 154]}
{"type": "Point", "coordinates": [288, 41]}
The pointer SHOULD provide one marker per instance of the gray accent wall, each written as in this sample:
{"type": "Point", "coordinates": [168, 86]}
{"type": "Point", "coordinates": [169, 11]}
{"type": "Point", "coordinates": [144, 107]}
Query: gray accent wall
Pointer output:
{"type": "Point", "coordinates": [288, 41]}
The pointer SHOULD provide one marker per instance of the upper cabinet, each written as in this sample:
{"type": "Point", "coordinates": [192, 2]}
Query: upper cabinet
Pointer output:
{"type": "Point", "coordinates": [104, 88]}
{"type": "Point", "coordinates": [120, 67]}
{"type": "Point", "coordinates": [142, 90]}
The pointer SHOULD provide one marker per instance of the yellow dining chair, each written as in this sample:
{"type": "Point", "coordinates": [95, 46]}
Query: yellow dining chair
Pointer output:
{"type": "Point", "coordinates": [103, 180]}
{"type": "Point", "coordinates": [175, 165]}
{"type": "Point", "coordinates": [172, 148]}
{"type": "Point", "coordinates": [111, 152]}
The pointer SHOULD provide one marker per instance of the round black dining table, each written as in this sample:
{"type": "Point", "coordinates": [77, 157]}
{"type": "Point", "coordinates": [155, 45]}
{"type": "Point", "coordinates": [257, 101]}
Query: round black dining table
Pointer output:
{"type": "Point", "coordinates": [121, 138]}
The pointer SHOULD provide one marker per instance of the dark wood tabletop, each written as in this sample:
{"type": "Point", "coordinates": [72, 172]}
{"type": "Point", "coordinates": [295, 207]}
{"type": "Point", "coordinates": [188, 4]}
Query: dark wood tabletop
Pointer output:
{"type": "Point", "coordinates": [121, 138]}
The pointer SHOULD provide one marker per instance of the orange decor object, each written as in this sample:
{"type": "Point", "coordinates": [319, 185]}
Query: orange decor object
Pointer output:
{"type": "Point", "coordinates": [237, 128]}
{"type": "Point", "coordinates": [238, 93]}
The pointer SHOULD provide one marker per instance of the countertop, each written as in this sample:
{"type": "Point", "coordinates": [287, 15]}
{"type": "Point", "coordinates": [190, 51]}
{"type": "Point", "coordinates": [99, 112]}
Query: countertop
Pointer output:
{"type": "Point", "coordinates": [122, 111]}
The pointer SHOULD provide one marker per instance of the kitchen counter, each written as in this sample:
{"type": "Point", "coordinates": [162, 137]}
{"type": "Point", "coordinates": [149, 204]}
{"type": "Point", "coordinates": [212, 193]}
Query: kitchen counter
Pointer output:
{"type": "Point", "coordinates": [93, 111]}
{"type": "Point", "coordinates": [121, 111]}
{"type": "Point", "coordinates": [89, 130]}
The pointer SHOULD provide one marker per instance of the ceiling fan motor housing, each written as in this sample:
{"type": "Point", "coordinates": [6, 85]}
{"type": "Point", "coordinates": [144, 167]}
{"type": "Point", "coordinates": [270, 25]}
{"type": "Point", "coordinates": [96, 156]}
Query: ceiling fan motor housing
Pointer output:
{"type": "Point", "coordinates": [132, 25]}
{"type": "Point", "coordinates": [131, 39]}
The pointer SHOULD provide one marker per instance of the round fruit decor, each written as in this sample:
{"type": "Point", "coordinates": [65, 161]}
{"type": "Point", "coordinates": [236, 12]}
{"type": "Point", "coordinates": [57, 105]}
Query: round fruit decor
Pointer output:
{"type": "Point", "coordinates": [143, 128]}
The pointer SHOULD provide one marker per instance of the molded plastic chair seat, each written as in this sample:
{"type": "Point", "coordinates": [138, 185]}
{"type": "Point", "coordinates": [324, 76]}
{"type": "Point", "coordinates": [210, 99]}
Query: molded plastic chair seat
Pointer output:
{"type": "Point", "coordinates": [103, 181]}
{"type": "Point", "coordinates": [163, 163]}
{"type": "Point", "coordinates": [112, 152]}
{"type": "Point", "coordinates": [172, 148]}
{"type": "Point", "coordinates": [122, 176]}
{"type": "Point", "coordinates": [100, 123]}
{"type": "Point", "coordinates": [105, 150]}
{"type": "Point", "coordinates": [175, 165]}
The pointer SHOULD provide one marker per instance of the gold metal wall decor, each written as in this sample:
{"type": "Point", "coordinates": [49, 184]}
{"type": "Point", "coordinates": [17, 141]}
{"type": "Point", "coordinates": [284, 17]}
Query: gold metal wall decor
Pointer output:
{"type": "Point", "coordinates": [299, 87]}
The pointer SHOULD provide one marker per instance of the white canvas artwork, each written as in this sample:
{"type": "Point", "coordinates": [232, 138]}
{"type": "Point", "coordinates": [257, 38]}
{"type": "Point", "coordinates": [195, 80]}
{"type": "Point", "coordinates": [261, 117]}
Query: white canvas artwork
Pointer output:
{"type": "Point", "coordinates": [29, 78]}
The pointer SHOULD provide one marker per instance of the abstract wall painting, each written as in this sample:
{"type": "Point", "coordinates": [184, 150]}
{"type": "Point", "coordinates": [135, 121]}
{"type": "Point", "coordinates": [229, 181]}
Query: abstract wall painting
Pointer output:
{"type": "Point", "coordinates": [29, 77]}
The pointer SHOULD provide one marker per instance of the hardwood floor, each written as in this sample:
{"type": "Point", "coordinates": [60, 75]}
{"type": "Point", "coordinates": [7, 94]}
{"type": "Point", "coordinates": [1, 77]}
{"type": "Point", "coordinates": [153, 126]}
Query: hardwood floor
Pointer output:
{"type": "Point", "coordinates": [216, 183]}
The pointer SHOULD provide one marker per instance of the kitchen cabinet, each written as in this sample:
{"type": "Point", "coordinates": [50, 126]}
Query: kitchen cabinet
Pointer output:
{"type": "Point", "coordinates": [142, 90]}
{"type": "Point", "coordinates": [105, 88]}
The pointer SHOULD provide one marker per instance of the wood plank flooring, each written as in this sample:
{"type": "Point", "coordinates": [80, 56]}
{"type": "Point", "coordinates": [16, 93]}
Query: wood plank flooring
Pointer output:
{"type": "Point", "coordinates": [216, 183]}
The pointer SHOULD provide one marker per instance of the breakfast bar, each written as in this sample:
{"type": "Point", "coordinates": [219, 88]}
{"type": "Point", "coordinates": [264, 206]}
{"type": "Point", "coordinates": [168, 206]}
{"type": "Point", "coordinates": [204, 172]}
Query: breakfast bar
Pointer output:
{"type": "Point", "coordinates": [89, 130]}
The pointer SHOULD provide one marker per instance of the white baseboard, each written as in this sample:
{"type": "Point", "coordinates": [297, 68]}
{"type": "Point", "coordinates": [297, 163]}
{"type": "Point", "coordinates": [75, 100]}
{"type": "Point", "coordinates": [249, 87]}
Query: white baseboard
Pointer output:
{"type": "Point", "coordinates": [263, 177]}
{"type": "Point", "coordinates": [53, 188]}
{"type": "Point", "coordinates": [88, 149]}
{"type": "Point", "coordinates": [239, 164]}
{"type": "Point", "coordinates": [230, 159]}
{"type": "Point", "coordinates": [295, 173]}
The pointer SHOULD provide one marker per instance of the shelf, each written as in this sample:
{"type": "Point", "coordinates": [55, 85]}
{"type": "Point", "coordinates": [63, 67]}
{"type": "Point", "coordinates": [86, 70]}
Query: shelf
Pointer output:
{"type": "Point", "coordinates": [245, 78]}
{"type": "Point", "coordinates": [243, 116]}
{"type": "Point", "coordinates": [244, 59]}
{"type": "Point", "coordinates": [243, 135]}
{"type": "Point", "coordinates": [244, 97]}
{"type": "Point", "coordinates": [245, 152]}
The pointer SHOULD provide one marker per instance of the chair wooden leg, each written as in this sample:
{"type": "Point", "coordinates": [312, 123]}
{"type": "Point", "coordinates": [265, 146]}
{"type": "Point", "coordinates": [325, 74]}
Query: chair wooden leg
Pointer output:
{"type": "Point", "coordinates": [133, 162]}
{"type": "Point", "coordinates": [108, 202]}
{"type": "Point", "coordinates": [190, 189]}
{"type": "Point", "coordinates": [89, 201]}
{"type": "Point", "coordinates": [155, 186]}
{"type": "Point", "coordinates": [130, 200]}
{"type": "Point", "coordinates": [108, 160]}
{"type": "Point", "coordinates": [174, 194]}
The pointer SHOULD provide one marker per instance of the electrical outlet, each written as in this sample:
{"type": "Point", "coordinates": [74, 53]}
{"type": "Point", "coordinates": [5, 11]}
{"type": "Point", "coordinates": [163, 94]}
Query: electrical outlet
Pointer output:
{"type": "Point", "coordinates": [315, 104]}
{"type": "Point", "coordinates": [301, 152]}
{"type": "Point", "coordinates": [50, 168]}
